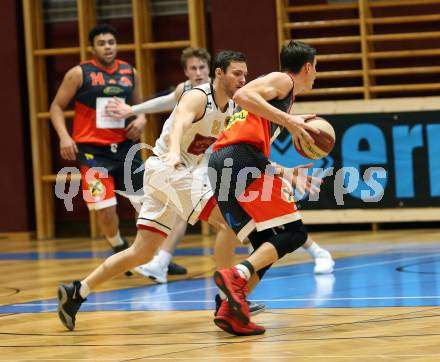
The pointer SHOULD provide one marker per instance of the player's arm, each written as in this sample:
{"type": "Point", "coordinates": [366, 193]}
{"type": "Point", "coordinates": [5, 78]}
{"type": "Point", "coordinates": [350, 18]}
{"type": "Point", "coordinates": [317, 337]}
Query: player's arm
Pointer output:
{"type": "Point", "coordinates": [166, 103]}
{"type": "Point", "coordinates": [255, 95]}
{"type": "Point", "coordinates": [160, 104]}
{"type": "Point", "coordinates": [71, 83]}
{"type": "Point", "coordinates": [135, 128]}
{"type": "Point", "coordinates": [190, 108]}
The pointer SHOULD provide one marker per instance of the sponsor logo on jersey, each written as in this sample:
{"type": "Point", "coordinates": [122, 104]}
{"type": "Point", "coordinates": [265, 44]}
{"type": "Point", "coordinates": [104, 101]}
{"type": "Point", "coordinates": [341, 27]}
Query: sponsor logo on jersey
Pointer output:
{"type": "Point", "coordinates": [238, 116]}
{"type": "Point", "coordinates": [112, 90]}
{"type": "Point", "coordinates": [90, 159]}
{"type": "Point", "coordinates": [125, 71]}
{"type": "Point", "coordinates": [96, 188]}
{"type": "Point", "coordinates": [125, 82]}
{"type": "Point", "coordinates": [287, 194]}
{"type": "Point", "coordinates": [200, 144]}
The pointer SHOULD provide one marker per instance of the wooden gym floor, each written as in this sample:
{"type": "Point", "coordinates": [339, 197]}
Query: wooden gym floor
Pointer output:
{"type": "Point", "coordinates": [381, 303]}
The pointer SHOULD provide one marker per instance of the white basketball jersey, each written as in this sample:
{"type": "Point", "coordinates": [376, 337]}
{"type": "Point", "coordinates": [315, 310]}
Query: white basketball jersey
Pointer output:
{"type": "Point", "coordinates": [202, 133]}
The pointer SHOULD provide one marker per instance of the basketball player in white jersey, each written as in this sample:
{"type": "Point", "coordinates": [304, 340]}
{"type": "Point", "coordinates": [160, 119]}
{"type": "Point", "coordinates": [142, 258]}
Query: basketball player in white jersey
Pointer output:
{"type": "Point", "coordinates": [195, 63]}
{"type": "Point", "coordinates": [171, 190]}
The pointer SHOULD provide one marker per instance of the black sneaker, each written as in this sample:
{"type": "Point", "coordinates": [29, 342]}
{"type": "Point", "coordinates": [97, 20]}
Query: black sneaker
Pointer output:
{"type": "Point", "coordinates": [69, 302]}
{"type": "Point", "coordinates": [218, 303]}
{"type": "Point", "coordinates": [176, 269]}
{"type": "Point", "coordinates": [254, 308]}
{"type": "Point", "coordinates": [118, 248]}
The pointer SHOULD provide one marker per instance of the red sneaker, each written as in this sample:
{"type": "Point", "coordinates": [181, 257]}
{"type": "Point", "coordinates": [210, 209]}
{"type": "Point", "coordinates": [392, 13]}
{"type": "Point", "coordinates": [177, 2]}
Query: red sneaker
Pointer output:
{"type": "Point", "coordinates": [227, 321]}
{"type": "Point", "coordinates": [235, 287]}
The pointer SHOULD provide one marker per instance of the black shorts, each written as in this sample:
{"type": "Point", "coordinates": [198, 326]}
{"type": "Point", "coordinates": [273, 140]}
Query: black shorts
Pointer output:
{"type": "Point", "coordinates": [113, 159]}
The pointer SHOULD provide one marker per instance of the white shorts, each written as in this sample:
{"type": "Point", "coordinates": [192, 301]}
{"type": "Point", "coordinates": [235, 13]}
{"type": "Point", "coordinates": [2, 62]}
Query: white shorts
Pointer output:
{"type": "Point", "coordinates": [169, 192]}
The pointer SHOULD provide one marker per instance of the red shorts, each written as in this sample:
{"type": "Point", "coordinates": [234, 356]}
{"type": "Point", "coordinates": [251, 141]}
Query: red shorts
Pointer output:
{"type": "Point", "coordinates": [103, 171]}
{"type": "Point", "coordinates": [249, 196]}
{"type": "Point", "coordinates": [98, 188]}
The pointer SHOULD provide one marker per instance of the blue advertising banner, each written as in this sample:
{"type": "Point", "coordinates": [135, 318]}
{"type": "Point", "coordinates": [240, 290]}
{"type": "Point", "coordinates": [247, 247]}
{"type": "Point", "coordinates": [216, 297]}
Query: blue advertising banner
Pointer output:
{"type": "Point", "coordinates": [380, 160]}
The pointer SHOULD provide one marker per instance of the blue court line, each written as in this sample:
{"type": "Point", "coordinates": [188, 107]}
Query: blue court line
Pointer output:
{"type": "Point", "coordinates": [99, 254]}
{"type": "Point", "coordinates": [380, 280]}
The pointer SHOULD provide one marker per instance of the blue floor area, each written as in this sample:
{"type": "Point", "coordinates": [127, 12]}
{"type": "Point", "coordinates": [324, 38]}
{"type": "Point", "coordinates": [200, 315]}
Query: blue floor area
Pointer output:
{"type": "Point", "coordinates": [382, 280]}
{"type": "Point", "coordinates": [99, 254]}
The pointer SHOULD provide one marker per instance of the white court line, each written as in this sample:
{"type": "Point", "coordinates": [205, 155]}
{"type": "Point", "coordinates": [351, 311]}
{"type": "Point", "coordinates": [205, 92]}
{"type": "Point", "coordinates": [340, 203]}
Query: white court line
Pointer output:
{"type": "Point", "coordinates": [260, 300]}
{"type": "Point", "coordinates": [359, 266]}
{"type": "Point", "coordinates": [143, 299]}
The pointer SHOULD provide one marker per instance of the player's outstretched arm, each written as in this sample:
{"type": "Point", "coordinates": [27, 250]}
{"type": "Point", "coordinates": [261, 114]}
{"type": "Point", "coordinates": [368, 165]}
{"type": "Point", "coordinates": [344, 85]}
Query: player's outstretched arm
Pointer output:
{"type": "Point", "coordinates": [166, 103]}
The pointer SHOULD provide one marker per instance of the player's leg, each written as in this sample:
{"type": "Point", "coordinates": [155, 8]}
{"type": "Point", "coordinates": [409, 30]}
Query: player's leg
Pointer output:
{"type": "Point", "coordinates": [158, 268]}
{"type": "Point", "coordinates": [154, 224]}
{"type": "Point", "coordinates": [108, 222]}
{"type": "Point", "coordinates": [233, 281]}
{"type": "Point", "coordinates": [99, 194]}
{"type": "Point", "coordinates": [273, 206]}
{"type": "Point", "coordinates": [233, 216]}
{"type": "Point", "coordinates": [161, 263]}
{"type": "Point", "coordinates": [169, 246]}
{"type": "Point", "coordinates": [71, 296]}
{"type": "Point", "coordinates": [224, 254]}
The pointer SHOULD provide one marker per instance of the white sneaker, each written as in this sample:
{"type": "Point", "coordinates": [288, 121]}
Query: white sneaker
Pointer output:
{"type": "Point", "coordinates": [324, 263]}
{"type": "Point", "coordinates": [154, 271]}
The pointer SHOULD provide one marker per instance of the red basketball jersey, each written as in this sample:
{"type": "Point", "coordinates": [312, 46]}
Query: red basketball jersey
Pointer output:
{"type": "Point", "coordinates": [100, 82]}
{"type": "Point", "coordinates": [246, 127]}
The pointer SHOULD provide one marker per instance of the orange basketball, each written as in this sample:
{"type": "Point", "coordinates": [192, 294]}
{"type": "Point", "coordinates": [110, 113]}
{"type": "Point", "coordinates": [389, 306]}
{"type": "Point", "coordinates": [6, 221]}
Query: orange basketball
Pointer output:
{"type": "Point", "coordinates": [324, 141]}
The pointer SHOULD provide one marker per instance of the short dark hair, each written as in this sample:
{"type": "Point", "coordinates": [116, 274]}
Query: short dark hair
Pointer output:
{"type": "Point", "coordinates": [224, 58]}
{"type": "Point", "coordinates": [101, 29]}
{"type": "Point", "coordinates": [200, 53]}
{"type": "Point", "coordinates": [294, 55]}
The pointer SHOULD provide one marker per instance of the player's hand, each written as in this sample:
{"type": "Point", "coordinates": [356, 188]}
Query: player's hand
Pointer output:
{"type": "Point", "coordinates": [298, 127]}
{"type": "Point", "coordinates": [171, 159]}
{"type": "Point", "coordinates": [135, 128]}
{"type": "Point", "coordinates": [118, 109]}
{"type": "Point", "coordinates": [68, 149]}
{"type": "Point", "coordinates": [303, 182]}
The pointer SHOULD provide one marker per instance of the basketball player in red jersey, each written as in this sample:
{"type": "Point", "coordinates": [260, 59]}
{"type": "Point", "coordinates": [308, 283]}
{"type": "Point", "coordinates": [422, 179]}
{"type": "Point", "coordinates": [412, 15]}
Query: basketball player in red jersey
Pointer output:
{"type": "Point", "coordinates": [253, 197]}
{"type": "Point", "coordinates": [195, 63]}
{"type": "Point", "coordinates": [98, 140]}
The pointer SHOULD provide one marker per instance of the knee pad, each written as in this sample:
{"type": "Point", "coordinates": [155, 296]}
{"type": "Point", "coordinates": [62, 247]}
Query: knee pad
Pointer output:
{"type": "Point", "coordinates": [290, 237]}
{"type": "Point", "coordinates": [257, 238]}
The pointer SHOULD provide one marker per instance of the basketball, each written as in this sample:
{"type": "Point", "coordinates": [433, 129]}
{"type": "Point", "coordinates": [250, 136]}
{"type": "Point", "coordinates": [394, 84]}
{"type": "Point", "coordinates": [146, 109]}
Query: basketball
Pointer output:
{"type": "Point", "coordinates": [324, 141]}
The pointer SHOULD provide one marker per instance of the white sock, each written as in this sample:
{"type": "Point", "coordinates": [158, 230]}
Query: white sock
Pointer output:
{"type": "Point", "coordinates": [84, 291]}
{"type": "Point", "coordinates": [243, 271]}
{"type": "Point", "coordinates": [222, 295]}
{"type": "Point", "coordinates": [164, 258]}
{"type": "Point", "coordinates": [116, 240]}
{"type": "Point", "coordinates": [314, 250]}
